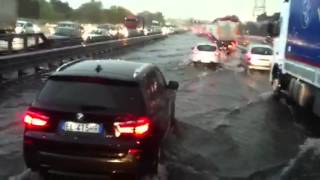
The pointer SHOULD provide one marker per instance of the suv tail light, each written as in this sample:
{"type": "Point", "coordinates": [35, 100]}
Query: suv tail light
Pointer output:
{"type": "Point", "coordinates": [137, 128]}
{"type": "Point", "coordinates": [35, 120]}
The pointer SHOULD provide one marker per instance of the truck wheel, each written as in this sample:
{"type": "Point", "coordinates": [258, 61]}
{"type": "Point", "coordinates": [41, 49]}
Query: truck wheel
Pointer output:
{"type": "Point", "coordinates": [276, 83]}
{"type": "Point", "coordinates": [276, 93]}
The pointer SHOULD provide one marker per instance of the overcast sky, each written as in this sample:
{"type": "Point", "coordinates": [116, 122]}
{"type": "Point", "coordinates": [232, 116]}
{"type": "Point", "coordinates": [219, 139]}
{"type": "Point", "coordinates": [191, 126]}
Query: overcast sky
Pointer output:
{"type": "Point", "coordinates": [201, 9]}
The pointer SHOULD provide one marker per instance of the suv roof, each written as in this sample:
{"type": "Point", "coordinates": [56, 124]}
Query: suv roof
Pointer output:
{"type": "Point", "coordinates": [109, 69]}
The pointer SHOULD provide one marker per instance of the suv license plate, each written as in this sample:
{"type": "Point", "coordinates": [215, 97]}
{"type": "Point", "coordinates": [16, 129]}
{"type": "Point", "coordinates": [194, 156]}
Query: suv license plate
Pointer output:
{"type": "Point", "coordinates": [81, 127]}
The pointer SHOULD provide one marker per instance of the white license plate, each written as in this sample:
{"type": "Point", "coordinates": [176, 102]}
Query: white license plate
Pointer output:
{"type": "Point", "coordinates": [81, 127]}
{"type": "Point", "coordinates": [261, 62]}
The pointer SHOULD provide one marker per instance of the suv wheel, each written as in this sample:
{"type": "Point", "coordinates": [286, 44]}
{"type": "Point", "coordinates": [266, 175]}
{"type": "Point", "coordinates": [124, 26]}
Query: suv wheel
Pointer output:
{"type": "Point", "coordinates": [43, 174]}
{"type": "Point", "coordinates": [150, 168]}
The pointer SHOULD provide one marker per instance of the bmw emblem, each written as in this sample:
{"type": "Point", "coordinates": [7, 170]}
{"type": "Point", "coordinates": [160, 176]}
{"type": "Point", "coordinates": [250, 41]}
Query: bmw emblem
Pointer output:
{"type": "Point", "coordinates": [79, 116]}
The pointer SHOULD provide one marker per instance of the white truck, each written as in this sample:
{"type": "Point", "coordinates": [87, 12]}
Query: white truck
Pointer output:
{"type": "Point", "coordinates": [295, 70]}
{"type": "Point", "coordinates": [8, 15]}
{"type": "Point", "coordinates": [225, 31]}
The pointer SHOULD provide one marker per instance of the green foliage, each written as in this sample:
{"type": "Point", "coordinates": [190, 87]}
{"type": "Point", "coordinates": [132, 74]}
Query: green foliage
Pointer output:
{"type": "Point", "coordinates": [28, 9]}
{"type": "Point", "coordinates": [62, 8]}
{"type": "Point", "coordinates": [47, 12]}
{"type": "Point", "coordinates": [270, 24]}
{"type": "Point", "coordinates": [115, 14]}
{"type": "Point", "coordinates": [265, 17]}
{"type": "Point", "coordinates": [149, 17]}
{"type": "Point", "coordinates": [91, 12]}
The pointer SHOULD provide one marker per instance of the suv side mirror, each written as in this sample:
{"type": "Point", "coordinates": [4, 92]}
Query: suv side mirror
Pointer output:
{"type": "Point", "coordinates": [173, 85]}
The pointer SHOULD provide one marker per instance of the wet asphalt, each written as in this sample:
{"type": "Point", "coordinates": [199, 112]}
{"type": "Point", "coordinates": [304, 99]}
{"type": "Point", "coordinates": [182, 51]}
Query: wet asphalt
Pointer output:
{"type": "Point", "coordinates": [229, 126]}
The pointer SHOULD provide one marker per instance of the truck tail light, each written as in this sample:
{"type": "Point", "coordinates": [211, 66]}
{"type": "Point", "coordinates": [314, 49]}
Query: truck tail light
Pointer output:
{"type": "Point", "coordinates": [35, 120]}
{"type": "Point", "coordinates": [138, 128]}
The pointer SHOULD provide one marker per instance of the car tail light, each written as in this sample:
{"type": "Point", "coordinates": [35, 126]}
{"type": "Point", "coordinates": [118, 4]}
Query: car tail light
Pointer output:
{"type": "Point", "coordinates": [34, 119]}
{"type": "Point", "coordinates": [137, 128]}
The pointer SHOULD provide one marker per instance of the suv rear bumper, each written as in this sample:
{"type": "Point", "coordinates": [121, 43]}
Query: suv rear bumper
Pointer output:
{"type": "Point", "coordinates": [38, 158]}
{"type": "Point", "coordinates": [60, 162]}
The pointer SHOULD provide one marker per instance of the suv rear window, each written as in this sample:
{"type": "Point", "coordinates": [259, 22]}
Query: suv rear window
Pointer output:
{"type": "Point", "coordinates": [207, 48]}
{"type": "Point", "coordinates": [78, 94]}
{"type": "Point", "coordinates": [261, 51]}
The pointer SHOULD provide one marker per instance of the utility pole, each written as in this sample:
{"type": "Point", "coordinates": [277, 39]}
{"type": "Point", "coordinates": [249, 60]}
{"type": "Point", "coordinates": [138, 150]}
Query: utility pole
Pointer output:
{"type": "Point", "coordinates": [259, 7]}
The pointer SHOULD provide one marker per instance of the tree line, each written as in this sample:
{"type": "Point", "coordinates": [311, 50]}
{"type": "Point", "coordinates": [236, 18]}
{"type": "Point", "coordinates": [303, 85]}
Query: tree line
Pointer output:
{"type": "Point", "coordinates": [264, 26]}
{"type": "Point", "coordinates": [91, 12]}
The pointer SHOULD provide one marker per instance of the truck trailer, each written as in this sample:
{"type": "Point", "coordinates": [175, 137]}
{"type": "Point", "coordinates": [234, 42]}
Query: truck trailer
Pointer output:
{"type": "Point", "coordinates": [8, 15]}
{"type": "Point", "coordinates": [295, 71]}
{"type": "Point", "coordinates": [225, 32]}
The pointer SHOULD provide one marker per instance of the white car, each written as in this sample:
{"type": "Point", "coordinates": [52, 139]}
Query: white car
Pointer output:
{"type": "Point", "coordinates": [257, 56]}
{"type": "Point", "coordinates": [98, 34]}
{"type": "Point", "coordinates": [26, 27]}
{"type": "Point", "coordinates": [205, 53]}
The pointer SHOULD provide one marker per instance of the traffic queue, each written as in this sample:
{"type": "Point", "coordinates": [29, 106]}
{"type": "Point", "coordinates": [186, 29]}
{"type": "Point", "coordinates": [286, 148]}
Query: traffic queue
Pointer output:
{"type": "Point", "coordinates": [68, 33]}
{"type": "Point", "coordinates": [255, 53]}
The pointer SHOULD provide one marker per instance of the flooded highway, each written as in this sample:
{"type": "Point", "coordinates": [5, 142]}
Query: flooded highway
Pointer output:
{"type": "Point", "coordinates": [229, 125]}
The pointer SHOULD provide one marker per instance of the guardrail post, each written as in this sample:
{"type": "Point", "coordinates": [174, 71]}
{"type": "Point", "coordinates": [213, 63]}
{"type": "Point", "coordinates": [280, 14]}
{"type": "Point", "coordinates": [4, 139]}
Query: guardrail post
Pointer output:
{"type": "Point", "coordinates": [10, 44]}
{"type": "Point", "coordinates": [21, 73]}
{"type": "Point", "coordinates": [37, 40]}
{"type": "Point", "coordinates": [25, 42]}
{"type": "Point", "coordinates": [37, 69]}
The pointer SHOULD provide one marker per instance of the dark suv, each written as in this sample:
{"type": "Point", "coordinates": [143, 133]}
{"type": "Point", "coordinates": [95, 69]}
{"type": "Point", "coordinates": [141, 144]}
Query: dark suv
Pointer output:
{"type": "Point", "coordinates": [99, 117]}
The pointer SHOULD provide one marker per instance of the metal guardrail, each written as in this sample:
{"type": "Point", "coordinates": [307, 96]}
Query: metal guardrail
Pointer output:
{"type": "Point", "coordinates": [25, 38]}
{"type": "Point", "coordinates": [19, 62]}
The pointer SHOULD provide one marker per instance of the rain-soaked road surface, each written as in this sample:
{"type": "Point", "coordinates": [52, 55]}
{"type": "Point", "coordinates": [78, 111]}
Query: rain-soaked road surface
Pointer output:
{"type": "Point", "coordinates": [229, 126]}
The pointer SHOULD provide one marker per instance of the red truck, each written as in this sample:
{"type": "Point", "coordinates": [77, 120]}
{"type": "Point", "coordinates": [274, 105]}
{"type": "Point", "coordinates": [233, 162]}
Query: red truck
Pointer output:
{"type": "Point", "coordinates": [134, 25]}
